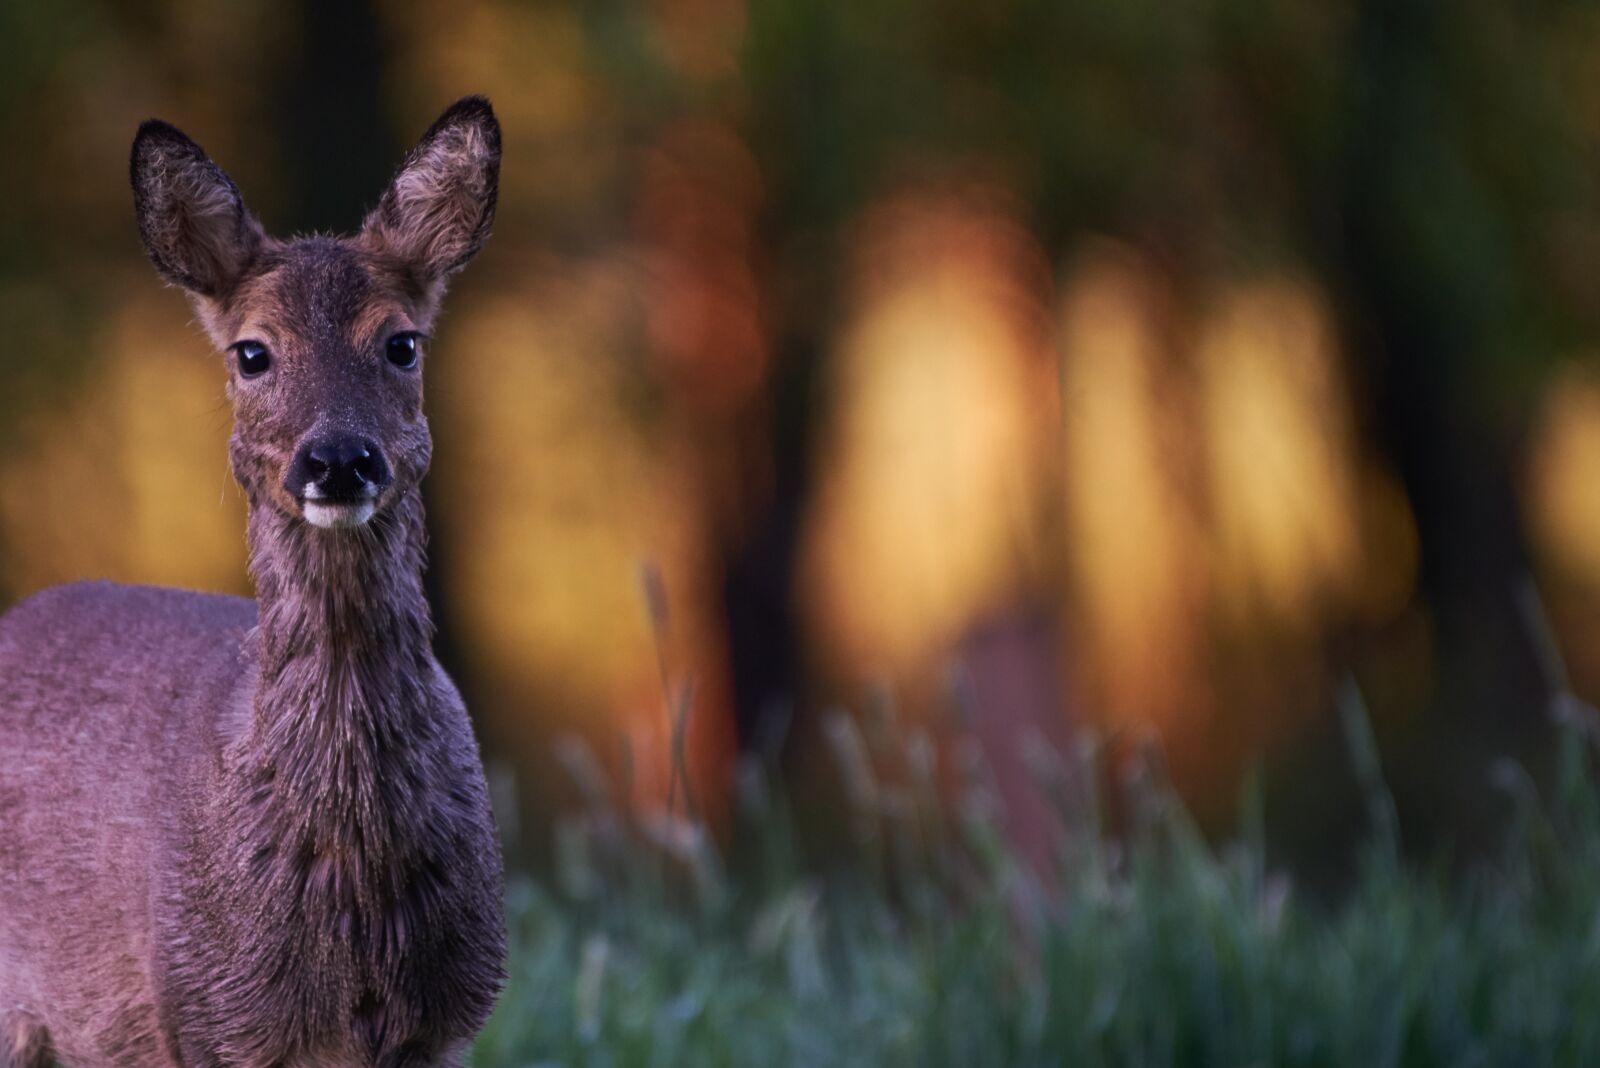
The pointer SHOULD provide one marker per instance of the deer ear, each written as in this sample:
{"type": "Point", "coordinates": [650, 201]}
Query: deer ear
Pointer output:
{"type": "Point", "coordinates": [436, 213]}
{"type": "Point", "coordinates": [191, 216]}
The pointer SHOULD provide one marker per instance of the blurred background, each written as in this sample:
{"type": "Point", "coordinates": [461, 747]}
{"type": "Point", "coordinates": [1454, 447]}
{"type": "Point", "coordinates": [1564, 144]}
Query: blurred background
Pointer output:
{"type": "Point", "coordinates": [1023, 367]}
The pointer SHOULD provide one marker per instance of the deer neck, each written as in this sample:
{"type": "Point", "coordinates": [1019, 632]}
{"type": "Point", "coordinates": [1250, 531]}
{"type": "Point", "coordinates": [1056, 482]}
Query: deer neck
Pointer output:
{"type": "Point", "coordinates": [340, 719]}
{"type": "Point", "coordinates": [343, 640]}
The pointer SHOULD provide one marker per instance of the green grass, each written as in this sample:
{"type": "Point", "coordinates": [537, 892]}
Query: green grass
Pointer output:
{"type": "Point", "coordinates": [1151, 947]}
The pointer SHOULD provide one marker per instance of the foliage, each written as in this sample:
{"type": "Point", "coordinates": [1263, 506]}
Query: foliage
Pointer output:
{"type": "Point", "coordinates": [1154, 947]}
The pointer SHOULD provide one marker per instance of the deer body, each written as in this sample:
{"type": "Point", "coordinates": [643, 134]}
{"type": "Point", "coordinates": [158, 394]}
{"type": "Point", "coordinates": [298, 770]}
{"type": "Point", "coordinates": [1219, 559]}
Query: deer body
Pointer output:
{"type": "Point", "coordinates": [258, 833]}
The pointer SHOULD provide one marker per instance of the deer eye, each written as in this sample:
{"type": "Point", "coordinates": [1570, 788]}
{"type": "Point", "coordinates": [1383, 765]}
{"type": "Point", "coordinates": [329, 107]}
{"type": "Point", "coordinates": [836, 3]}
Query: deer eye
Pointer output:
{"type": "Point", "coordinates": [402, 349]}
{"type": "Point", "coordinates": [253, 358]}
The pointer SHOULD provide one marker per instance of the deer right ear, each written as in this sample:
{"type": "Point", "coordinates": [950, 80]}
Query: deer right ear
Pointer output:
{"type": "Point", "coordinates": [191, 216]}
{"type": "Point", "coordinates": [436, 213]}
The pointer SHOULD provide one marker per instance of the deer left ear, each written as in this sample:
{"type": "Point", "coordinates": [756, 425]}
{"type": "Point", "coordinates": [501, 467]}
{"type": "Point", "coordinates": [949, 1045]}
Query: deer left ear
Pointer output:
{"type": "Point", "coordinates": [191, 217]}
{"type": "Point", "coordinates": [436, 213]}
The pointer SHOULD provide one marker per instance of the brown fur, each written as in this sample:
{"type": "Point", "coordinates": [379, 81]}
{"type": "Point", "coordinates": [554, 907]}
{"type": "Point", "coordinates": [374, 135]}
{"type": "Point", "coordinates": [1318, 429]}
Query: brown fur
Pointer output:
{"type": "Point", "coordinates": [191, 216]}
{"type": "Point", "coordinates": [436, 214]}
{"type": "Point", "coordinates": [257, 833]}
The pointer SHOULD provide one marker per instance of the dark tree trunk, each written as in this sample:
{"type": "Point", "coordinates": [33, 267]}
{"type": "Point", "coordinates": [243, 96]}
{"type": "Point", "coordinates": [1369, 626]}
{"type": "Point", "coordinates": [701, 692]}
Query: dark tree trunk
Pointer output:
{"type": "Point", "coordinates": [1427, 329]}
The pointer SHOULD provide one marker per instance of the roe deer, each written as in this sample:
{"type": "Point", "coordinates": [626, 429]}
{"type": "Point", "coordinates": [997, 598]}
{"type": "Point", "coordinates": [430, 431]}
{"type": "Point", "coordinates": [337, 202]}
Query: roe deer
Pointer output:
{"type": "Point", "coordinates": [257, 833]}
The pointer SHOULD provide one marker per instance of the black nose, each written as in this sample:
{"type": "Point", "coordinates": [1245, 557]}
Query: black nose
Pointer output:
{"type": "Point", "coordinates": [338, 469]}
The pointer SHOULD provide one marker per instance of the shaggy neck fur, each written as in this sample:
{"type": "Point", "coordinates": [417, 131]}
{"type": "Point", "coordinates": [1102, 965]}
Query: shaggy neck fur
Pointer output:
{"type": "Point", "coordinates": [341, 609]}
{"type": "Point", "coordinates": [341, 704]}
{"type": "Point", "coordinates": [352, 853]}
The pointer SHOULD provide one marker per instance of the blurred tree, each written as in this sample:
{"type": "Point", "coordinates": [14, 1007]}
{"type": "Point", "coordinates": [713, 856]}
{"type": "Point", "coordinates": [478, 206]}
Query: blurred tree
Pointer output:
{"type": "Point", "coordinates": [687, 185]}
{"type": "Point", "coordinates": [1452, 153]}
{"type": "Point", "coordinates": [329, 107]}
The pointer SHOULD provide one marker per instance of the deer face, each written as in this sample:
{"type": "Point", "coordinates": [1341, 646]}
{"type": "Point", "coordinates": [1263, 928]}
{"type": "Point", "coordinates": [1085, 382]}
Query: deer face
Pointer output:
{"type": "Point", "coordinates": [324, 352]}
{"type": "Point", "coordinates": [324, 337]}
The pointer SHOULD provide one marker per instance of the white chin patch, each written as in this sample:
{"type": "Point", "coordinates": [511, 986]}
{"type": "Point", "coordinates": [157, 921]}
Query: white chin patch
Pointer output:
{"type": "Point", "coordinates": [331, 516]}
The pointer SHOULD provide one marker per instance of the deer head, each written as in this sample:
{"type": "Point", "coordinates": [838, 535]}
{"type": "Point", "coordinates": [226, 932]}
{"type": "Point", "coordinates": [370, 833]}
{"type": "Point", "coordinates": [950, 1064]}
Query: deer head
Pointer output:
{"type": "Point", "coordinates": [324, 336]}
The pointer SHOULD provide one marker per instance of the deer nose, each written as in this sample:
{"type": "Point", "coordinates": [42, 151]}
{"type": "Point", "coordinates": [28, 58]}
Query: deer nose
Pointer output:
{"type": "Point", "coordinates": [338, 469]}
